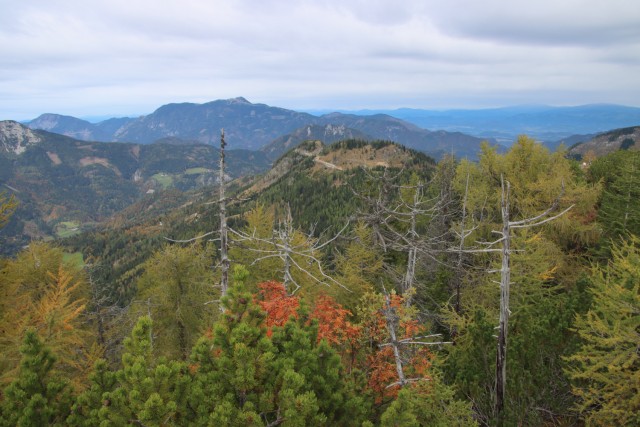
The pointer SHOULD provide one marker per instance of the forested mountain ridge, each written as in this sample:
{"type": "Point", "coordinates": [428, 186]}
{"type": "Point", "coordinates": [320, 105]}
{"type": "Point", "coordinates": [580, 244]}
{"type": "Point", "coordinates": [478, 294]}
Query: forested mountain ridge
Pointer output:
{"type": "Point", "coordinates": [608, 142]}
{"type": "Point", "coordinates": [318, 193]}
{"type": "Point", "coordinates": [64, 184]}
{"type": "Point", "coordinates": [313, 155]}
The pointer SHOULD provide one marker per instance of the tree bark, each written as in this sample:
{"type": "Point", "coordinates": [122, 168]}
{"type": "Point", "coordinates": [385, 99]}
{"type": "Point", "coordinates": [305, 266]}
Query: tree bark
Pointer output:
{"type": "Point", "coordinates": [390, 317]}
{"type": "Point", "coordinates": [224, 243]}
{"type": "Point", "coordinates": [505, 279]}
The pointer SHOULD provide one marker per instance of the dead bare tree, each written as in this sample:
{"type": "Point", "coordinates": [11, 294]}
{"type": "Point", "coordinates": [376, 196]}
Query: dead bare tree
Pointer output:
{"type": "Point", "coordinates": [224, 242]}
{"type": "Point", "coordinates": [391, 322]}
{"type": "Point", "coordinates": [223, 230]}
{"type": "Point", "coordinates": [407, 226]}
{"type": "Point", "coordinates": [505, 277]}
{"type": "Point", "coordinates": [461, 236]}
{"type": "Point", "coordinates": [294, 255]}
{"type": "Point", "coordinates": [282, 241]}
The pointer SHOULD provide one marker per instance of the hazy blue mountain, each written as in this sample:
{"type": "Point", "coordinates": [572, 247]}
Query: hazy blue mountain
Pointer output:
{"type": "Point", "coordinates": [246, 125]}
{"type": "Point", "coordinates": [505, 124]}
{"type": "Point", "coordinates": [254, 126]}
{"type": "Point", "coordinates": [337, 126]}
{"type": "Point", "coordinates": [69, 126]}
{"type": "Point", "coordinates": [434, 143]}
{"type": "Point", "coordinates": [111, 128]}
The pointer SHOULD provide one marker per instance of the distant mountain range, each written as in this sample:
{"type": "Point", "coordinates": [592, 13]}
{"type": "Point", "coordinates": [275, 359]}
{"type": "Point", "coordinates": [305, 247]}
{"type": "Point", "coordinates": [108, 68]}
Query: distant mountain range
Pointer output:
{"type": "Point", "coordinates": [256, 126]}
{"type": "Point", "coordinates": [544, 123]}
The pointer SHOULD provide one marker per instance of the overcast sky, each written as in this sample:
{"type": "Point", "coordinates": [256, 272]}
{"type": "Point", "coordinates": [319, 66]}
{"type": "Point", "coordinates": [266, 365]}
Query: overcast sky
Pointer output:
{"type": "Point", "coordinates": [128, 57]}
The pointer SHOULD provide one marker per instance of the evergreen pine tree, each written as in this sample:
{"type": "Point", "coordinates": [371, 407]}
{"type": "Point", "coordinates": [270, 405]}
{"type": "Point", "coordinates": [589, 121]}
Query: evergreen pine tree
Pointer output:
{"type": "Point", "coordinates": [428, 404]}
{"type": "Point", "coordinates": [147, 393]}
{"type": "Point", "coordinates": [90, 403]}
{"type": "Point", "coordinates": [35, 397]}
{"type": "Point", "coordinates": [243, 377]}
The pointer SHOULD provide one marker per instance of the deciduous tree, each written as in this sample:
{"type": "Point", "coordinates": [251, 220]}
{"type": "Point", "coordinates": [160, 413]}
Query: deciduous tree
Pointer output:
{"type": "Point", "coordinates": [606, 369]}
{"type": "Point", "coordinates": [176, 290]}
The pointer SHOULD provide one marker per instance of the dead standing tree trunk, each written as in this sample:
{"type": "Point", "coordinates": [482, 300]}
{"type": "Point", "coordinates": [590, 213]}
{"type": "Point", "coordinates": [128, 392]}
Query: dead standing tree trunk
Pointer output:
{"type": "Point", "coordinates": [461, 235]}
{"type": "Point", "coordinates": [391, 319]}
{"type": "Point", "coordinates": [505, 281]}
{"type": "Point", "coordinates": [407, 226]}
{"type": "Point", "coordinates": [223, 230]}
{"type": "Point", "coordinates": [224, 242]}
{"type": "Point", "coordinates": [392, 322]}
{"type": "Point", "coordinates": [285, 236]}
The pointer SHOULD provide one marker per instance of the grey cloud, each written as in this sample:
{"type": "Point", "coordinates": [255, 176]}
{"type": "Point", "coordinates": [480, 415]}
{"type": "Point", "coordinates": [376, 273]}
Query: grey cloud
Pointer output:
{"type": "Point", "coordinates": [64, 56]}
{"type": "Point", "coordinates": [566, 22]}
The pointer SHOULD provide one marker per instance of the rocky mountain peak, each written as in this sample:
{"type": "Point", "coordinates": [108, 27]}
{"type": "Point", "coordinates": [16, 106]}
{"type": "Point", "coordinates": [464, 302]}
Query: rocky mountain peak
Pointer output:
{"type": "Point", "coordinates": [238, 100]}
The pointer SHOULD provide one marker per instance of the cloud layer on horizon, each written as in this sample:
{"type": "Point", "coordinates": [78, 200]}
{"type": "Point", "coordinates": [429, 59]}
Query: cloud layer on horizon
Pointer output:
{"type": "Point", "coordinates": [127, 57]}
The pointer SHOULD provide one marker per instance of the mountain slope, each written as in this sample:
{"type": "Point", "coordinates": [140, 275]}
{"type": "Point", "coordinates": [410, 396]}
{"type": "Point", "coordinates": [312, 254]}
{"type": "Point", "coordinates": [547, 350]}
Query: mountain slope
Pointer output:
{"type": "Point", "coordinates": [337, 126]}
{"type": "Point", "coordinates": [69, 126]}
{"type": "Point", "coordinates": [246, 125]}
{"type": "Point", "coordinates": [328, 134]}
{"type": "Point", "coordinates": [15, 138]}
{"type": "Point", "coordinates": [605, 143]}
{"type": "Point", "coordinates": [315, 180]}
{"type": "Point", "coordinates": [60, 180]}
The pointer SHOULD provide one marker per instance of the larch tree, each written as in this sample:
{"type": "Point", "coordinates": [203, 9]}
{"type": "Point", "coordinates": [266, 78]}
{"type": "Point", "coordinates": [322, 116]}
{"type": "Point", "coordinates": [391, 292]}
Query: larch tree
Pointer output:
{"type": "Point", "coordinates": [605, 371]}
{"type": "Point", "coordinates": [8, 206]}
{"type": "Point", "coordinates": [360, 266]}
{"type": "Point", "coordinates": [43, 293]}
{"type": "Point", "coordinates": [619, 211]}
{"type": "Point", "coordinates": [505, 196]}
{"type": "Point", "coordinates": [176, 290]}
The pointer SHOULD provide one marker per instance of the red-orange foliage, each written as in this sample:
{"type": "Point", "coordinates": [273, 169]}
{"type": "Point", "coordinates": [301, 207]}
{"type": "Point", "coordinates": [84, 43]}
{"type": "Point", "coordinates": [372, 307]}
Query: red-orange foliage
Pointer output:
{"type": "Point", "coordinates": [333, 325]}
{"type": "Point", "coordinates": [339, 332]}
{"type": "Point", "coordinates": [278, 305]}
{"type": "Point", "coordinates": [351, 340]}
{"type": "Point", "coordinates": [381, 362]}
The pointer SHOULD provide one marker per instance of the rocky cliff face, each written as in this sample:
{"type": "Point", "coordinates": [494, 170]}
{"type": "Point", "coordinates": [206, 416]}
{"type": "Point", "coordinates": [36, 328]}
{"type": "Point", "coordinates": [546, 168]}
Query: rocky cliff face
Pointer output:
{"type": "Point", "coordinates": [15, 138]}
